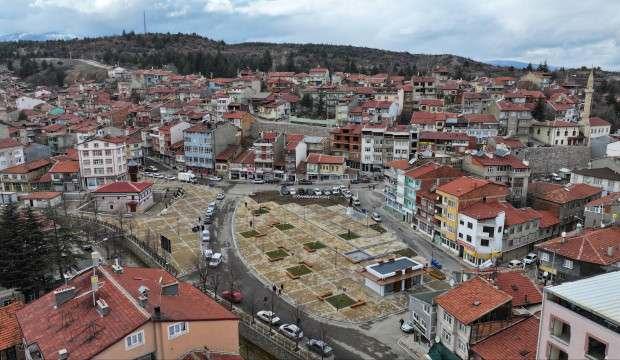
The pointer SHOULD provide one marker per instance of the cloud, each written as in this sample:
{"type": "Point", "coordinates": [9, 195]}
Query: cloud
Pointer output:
{"type": "Point", "coordinates": [563, 32]}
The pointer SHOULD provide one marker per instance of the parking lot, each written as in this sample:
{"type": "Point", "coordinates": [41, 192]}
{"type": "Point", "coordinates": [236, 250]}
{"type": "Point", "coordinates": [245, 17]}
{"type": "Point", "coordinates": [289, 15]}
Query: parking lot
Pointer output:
{"type": "Point", "coordinates": [309, 252]}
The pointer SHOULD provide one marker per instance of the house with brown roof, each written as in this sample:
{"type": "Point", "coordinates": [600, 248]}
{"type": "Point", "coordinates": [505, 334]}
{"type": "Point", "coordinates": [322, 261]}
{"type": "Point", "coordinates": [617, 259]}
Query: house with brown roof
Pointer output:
{"type": "Point", "coordinates": [20, 178]}
{"type": "Point", "coordinates": [602, 212]}
{"type": "Point", "coordinates": [517, 341]}
{"type": "Point", "coordinates": [469, 313]}
{"type": "Point", "coordinates": [10, 333]}
{"type": "Point", "coordinates": [42, 199]}
{"type": "Point", "coordinates": [326, 167]}
{"type": "Point", "coordinates": [557, 133]}
{"type": "Point", "coordinates": [224, 158]}
{"type": "Point", "coordinates": [566, 202]}
{"type": "Point", "coordinates": [579, 254]}
{"type": "Point", "coordinates": [65, 176]}
{"type": "Point", "coordinates": [126, 313]}
{"type": "Point", "coordinates": [124, 196]}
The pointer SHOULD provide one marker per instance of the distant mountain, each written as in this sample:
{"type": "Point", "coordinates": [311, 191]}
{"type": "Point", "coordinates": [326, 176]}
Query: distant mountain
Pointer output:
{"type": "Point", "coordinates": [516, 64]}
{"type": "Point", "coordinates": [37, 36]}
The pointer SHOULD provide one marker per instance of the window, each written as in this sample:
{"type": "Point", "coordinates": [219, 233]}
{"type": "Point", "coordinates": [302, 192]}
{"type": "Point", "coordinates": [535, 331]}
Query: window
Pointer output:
{"type": "Point", "coordinates": [560, 330]}
{"type": "Point", "coordinates": [460, 235]}
{"type": "Point", "coordinates": [484, 242]}
{"type": "Point", "coordinates": [468, 238]}
{"type": "Point", "coordinates": [134, 340]}
{"type": "Point", "coordinates": [544, 256]}
{"type": "Point", "coordinates": [426, 308]}
{"type": "Point", "coordinates": [447, 337]}
{"type": "Point", "coordinates": [568, 263]}
{"type": "Point", "coordinates": [461, 327]}
{"type": "Point", "coordinates": [177, 329]}
{"type": "Point", "coordinates": [470, 225]}
{"type": "Point", "coordinates": [462, 346]}
{"type": "Point", "coordinates": [448, 318]}
{"type": "Point", "coordinates": [596, 349]}
{"type": "Point", "coordinates": [461, 222]}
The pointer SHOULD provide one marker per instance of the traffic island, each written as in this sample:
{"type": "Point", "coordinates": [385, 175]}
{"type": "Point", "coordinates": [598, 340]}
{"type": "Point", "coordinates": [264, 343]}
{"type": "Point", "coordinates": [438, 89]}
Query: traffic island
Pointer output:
{"type": "Point", "coordinates": [340, 301]}
{"type": "Point", "coordinates": [276, 255]}
{"type": "Point", "coordinates": [296, 272]}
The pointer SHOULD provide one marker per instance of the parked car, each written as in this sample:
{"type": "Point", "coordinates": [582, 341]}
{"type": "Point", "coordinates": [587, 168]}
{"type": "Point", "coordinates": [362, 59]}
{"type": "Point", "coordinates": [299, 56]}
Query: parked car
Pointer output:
{"type": "Point", "coordinates": [530, 258]}
{"type": "Point", "coordinates": [158, 175]}
{"type": "Point", "coordinates": [206, 236]}
{"type": "Point", "coordinates": [208, 253]}
{"type": "Point", "coordinates": [512, 264]}
{"type": "Point", "coordinates": [347, 194]}
{"type": "Point", "coordinates": [170, 177]}
{"type": "Point", "coordinates": [376, 217]}
{"type": "Point", "coordinates": [335, 190]}
{"type": "Point", "coordinates": [436, 264]}
{"type": "Point", "coordinates": [214, 178]}
{"type": "Point", "coordinates": [305, 182]}
{"type": "Point", "coordinates": [268, 317]}
{"type": "Point", "coordinates": [216, 259]}
{"type": "Point", "coordinates": [234, 296]}
{"type": "Point", "coordinates": [291, 331]}
{"type": "Point", "coordinates": [208, 220]}
{"type": "Point", "coordinates": [320, 347]}
{"type": "Point", "coordinates": [407, 327]}
{"type": "Point", "coordinates": [258, 181]}
{"type": "Point", "coordinates": [301, 191]}
{"type": "Point", "coordinates": [356, 202]}
{"type": "Point", "coordinates": [317, 192]}
{"type": "Point", "coordinates": [326, 192]}
{"type": "Point", "coordinates": [292, 191]}
{"type": "Point", "coordinates": [151, 168]}
{"type": "Point", "coordinates": [220, 196]}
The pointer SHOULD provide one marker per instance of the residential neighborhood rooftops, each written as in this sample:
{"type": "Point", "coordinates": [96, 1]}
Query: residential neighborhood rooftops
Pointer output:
{"type": "Point", "coordinates": [610, 199]}
{"type": "Point", "coordinates": [597, 121]}
{"type": "Point", "coordinates": [27, 167]}
{"type": "Point", "coordinates": [465, 184]}
{"type": "Point", "coordinates": [8, 143]}
{"type": "Point", "coordinates": [123, 187]}
{"type": "Point", "coordinates": [42, 195]}
{"type": "Point", "coordinates": [472, 299]}
{"type": "Point", "coordinates": [599, 173]}
{"type": "Point", "coordinates": [568, 193]}
{"type": "Point", "coordinates": [10, 334]}
{"type": "Point", "coordinates": [65, 166]}
{"type": "Point", "coordinates": [596, 246]}
{"type": "Point", "coordinates": [517, 341]}
{"type": "Point", "coordinates": [523, 290]}
{"type": "Point", "coordinates": [315, 158]}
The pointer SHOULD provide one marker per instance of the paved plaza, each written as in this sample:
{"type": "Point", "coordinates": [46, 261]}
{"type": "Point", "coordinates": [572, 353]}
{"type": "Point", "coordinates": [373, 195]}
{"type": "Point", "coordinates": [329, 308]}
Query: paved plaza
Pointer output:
{"type": "Point", "coordinates": [283, 236]}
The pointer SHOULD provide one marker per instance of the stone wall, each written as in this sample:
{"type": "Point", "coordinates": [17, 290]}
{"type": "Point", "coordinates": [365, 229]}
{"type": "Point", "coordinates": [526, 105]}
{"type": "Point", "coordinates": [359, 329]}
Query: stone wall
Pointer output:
{"type": "Point", "coordinates": [260, 126]}
{"type": "Point", "coordinates": [544, 160]}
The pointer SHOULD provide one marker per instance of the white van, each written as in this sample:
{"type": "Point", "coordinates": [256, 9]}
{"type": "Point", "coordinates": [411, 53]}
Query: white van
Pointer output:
{"type": "Point", "coordinates": [216, 259]}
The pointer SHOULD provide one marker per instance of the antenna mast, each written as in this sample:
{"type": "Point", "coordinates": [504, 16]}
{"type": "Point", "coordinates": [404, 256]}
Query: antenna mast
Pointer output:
{"type": "Point", "coordinates": [144, 20]}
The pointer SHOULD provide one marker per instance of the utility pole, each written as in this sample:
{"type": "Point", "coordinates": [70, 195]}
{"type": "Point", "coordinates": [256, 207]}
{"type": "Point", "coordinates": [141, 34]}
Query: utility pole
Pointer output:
{"type": "Point", "coordinates": [144, 20]}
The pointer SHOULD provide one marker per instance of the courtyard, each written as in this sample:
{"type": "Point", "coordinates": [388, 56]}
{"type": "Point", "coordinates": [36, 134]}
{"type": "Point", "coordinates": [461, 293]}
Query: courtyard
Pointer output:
{"type": "Point", "coordinates": [315, 254]}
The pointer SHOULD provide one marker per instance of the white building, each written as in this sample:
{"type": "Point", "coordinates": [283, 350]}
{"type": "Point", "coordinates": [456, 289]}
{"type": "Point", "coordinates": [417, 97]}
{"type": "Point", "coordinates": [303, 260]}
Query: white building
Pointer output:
{"type": "Point", "coordinates": [27, 103]}
{"type": "Point", "coordinates": [394, 275]}
{"type": "Point", "coordinates": [124, 196]}
{"type": "Point", "coordinates": [11, 153]}
{"type": "Point", "coordinates": [102, 160]}
{"type": "Point", "coordinates": [604, 178]}
{"type": "Point", "coordinates": [480, 231]}
{"type": "Point", "coordinates": [599, 127]}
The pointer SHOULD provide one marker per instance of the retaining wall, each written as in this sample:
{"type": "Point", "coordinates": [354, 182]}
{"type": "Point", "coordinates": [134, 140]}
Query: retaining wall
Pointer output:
{"type": "Point", "coordinates": [544, 160]}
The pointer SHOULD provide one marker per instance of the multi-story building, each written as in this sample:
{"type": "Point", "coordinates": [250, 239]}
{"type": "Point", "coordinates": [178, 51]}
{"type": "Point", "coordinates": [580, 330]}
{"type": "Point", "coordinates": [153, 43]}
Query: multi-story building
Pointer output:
{"type": "Point", "coordinates": [481, 126]}
{"type": "Point", "coordinates": [202, 143]}
{"type": "Point", "coordinates": [296, 151]}
{"type": "Point", "coordinates": [515, 119]}
{"type": "Point", "coordinates": [503, 168]}
{"type": "Point", "coordinates": [394, 190]}
{"type": "Point", "coordinates": [459, 194]}
{"type": "Point", "coordinates": [269, 150]}
{"type": "Point", "coordinates": [604, 178]}
{"type": "Point", "coordinates": [475, 103]}
{"type": "Point", "coordinates": [466, 312]}
{"type": "Point", "coordinates": [127, 313]}
{"type": "Point", "coordinates": [557, 132]}
{"type": "Point", "coordinates": [580, 254]}
{"type": "Point", "coordinates": [599, 127]}
{"type": "Point", "coordinates": [580, 320]}
{"type": "Point", "coordinates": [21, 178]}
{"type": "Point", "coordinates": [372, 147]}
{"type": "Point", "coordinates": [345, 142]}
{"type": "Point", "coordinates": [423, 310]}
{"type": "Point", "coordinates": [567, 203]}
{"type": "Point", "coordinates": [325, 167]}
{"type": "Point", "coordinates": [102, 160]}
{"type": "Point", "coordinates": [424, 87]}
{"type": "Point", "coordinates": [65, 176]}
{"type": "Point", "coordinates": [445, 142]}
{"type": "Point", "coordinates": [11, 153]}
{"type": "Point", "coordinates": [602, 212]}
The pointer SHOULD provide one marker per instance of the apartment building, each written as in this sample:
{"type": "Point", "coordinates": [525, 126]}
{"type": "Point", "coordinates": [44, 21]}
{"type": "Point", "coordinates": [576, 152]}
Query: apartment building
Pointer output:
{"type": "Point", "coordinates": [394, 190]}
{"type": "Point", "coordinates": [475, 102]}
{"type": "Point", "coordinates": [166, 137]}
{"type": "Point", "coordinates": [602, 212]}
{"type": "Point", "coordinates": [467, 312]}
{"type": "Point", "coordinates": [423, 314]}
{"type": "Point", "coordinates": [202, 143]}
{"type": "Point", "coordinates": [580, 320]}
{"type": "Point", "coordinates": [11, 153]}
{"type": "Point", "coordinates": [604, 178]}
{"type": "Point", "coordinates": [21, 178]}
{"type": "Point", "coordinates": [556, 133]}
{"type": "Point", "coordinates": [325, 167]}
{"type": "Point", "coordinates": [102, 160]}
{"type": "Point", "coordinates": [503, 168]}
{"type": "Point", "coordinates": [459, 194]}
{"type": "Point", "coordinates": [296, 151]}
{"type": "Point", "coordinates": [515, 119]}
{"type": "Point", "coordinates": [126, 313]}
{"type": "Point", "coordinates": [345, 142]}
{"type": "Point", "coordinates": [481, 126]}
{"type": "Point", "coordinates": [269, 152]}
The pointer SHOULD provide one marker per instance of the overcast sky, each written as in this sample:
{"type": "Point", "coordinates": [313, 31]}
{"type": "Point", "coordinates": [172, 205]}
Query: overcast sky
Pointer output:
{"type": "Point", "coordinates": [564, 32]}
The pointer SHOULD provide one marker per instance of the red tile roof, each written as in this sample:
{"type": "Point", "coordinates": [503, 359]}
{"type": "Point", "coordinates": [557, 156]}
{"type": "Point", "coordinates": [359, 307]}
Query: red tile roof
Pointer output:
{"type": "Point", "coordinates": [315, 158]}
{"type": "Point", "coordinates": [556, 124]}
{"type": "Point", "coordinates": [198, 128]}
{"type": "Point", "coordinates": [246, 157]}
{"type": "Point", "coordinates": [431, 102]}
{"type": "Point", "coordinates": [399, 164]}
{"type": "Point", "coordinates": [472, 299]}
{"type": "Point", "coordinates": [480, 118]}
{"type": "Point", "coordinates": [610, 199]}
{"type": "Point", "coordinates": [510, 106]}
{"type": "Point", "coordinates": [41, 195]}
{"type": "Point", "coordinates": [511, 143]}
{"type": "Point", "coordinates": [482, 210]}
{"type": "Point", "coordinates": [227, 153]}
{"type": "Point", "coordinates": [235, 115]}
{"type": "Point", "coordinates": [487, 210]}
{"type": "Point", "coordinates": [570, 192]}
{"type": "Point", "coordinates": [421, 170]}
{"type": "Point", "coordinates": [123, 187]}
{"type": "Point", "coordinates": [516, 342]}
{"type": "Point", "coordinates": [462, 185]}
{"type": "Point", "coordinates": [429, 118]}
{"type": "Point", "coordinates": [547, 218]}
{"type": "Point", "coordinates": [293, 140]}
{"type": "Point", "coordinates": [8, 143]}
{"type": "Point", "coordinates": [588, 246]}
{"type": "Point", "coordinates": [494, 160]}
{"type": "Point", "coordinates": [597, 121]}
{"type": "Point", "coordinates": [65, 166]}
{"type": "Point", "coordinates": [27, 167]}
{"type": "Point", "coordinates": [440, 135]}
{"type": "Point", "coordinates": [523, 290]}
{"type": "Point", "coordinates": [10, 334]}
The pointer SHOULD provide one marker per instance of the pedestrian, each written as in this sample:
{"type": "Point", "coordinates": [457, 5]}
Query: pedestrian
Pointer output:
{"type": "Point", "coordinates": [246, 204]}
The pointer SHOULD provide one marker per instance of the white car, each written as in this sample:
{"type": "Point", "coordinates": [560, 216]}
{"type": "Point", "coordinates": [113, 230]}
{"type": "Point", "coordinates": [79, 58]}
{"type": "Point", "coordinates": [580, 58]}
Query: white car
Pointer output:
{"type": "Point", "coordinates": [317, 192]}
{"type": "Point", "coordinates": [214, 178]}
{"type": "Point", "coordinates": [216, 259]}
{"type": "Point", "coordinates": [291, 331]}
{"type": "Point", "coordinates": [171, 177]}
{"type": "Point", "coordinates": [530, 258]}
{"type": "Point", "coordinates": [208, 253]}
{"type": "Point", "coordinates": [220, 196]}
{"type": "Point", "coordinates": [158, 175]}
{"type": "Point", "coordinates": [335, 190]}
{"type": "Point", "coordinates": [347, 194]}
{"type": "Point", "coordinates": [206, 236]}
{"type": "Point", "coordinates": [513, 264]}
{"type": "Point", "coordinates": [292, 191]}
{"type": "Point", "coordinates": [376, 217]}
{"type": "Point", "coordinates": [268, 317]}
{"type": "Point", "coordinates": [356, 202]}
{"type": "Point", "coordinates": [258, 181]}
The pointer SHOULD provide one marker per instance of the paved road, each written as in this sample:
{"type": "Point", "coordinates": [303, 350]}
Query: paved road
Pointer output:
{"type": "Point", "coordinates": [373, 200]}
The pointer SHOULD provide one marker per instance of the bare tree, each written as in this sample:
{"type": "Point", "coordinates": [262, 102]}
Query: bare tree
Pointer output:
{"type": "Point", "coordinates": [202, 272]}
{"type": "Point", "coordinates": [298, 315]}
{"type": "Point", "coordinates": [216, 281]}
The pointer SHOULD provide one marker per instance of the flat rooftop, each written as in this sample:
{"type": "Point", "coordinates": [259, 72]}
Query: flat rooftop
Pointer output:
{"type": "Point", "coordinates": [389, 267]}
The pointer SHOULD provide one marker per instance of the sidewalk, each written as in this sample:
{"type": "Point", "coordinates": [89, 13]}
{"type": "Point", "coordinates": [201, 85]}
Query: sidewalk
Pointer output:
{"type": "Point", "coordinates": [415, 349]}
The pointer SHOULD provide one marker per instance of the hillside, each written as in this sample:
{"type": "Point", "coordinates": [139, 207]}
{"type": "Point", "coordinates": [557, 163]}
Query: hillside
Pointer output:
{"type": "Point", "coordinates": [221, 59]}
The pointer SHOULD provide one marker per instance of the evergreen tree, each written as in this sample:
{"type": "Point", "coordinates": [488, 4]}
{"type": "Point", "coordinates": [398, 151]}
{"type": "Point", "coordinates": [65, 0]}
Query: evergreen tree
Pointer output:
{"type": "Point", "coordinates": [266, 62]}
{"type": "Point", "coordinates": [290, 62]}
{"type": "Point", "coordinates": [12, 264]}
{"type": "Point", "coordinates": [306, 101]}
{"type": "Point", "coordinates": [539, 110]}
{"type": "Point", "coordinates": [529, 67]}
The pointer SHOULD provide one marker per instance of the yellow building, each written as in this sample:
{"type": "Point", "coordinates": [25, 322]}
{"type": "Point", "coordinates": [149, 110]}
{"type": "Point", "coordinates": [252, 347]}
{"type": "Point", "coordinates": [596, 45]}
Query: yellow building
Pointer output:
{"type": "Point", "coordinates": [325, 167]}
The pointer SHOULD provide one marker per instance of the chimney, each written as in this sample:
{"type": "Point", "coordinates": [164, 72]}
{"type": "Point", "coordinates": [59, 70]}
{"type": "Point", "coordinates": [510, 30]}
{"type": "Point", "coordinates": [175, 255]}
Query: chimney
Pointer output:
{"type": "Point", "coordinates": [563, 240]}
{"type": "Point", "coordinates": [116, 267]}
{"type": "Point", "coordinates": [610, 251]}
{"type": "Point", "coordinates": [63, 354]}
{"type": "Point", "coordinates": [63, 295]}
{"type": "Point", "coordinates": [157, 314]}
{"type": "Point", "coordinates": [102, 307]}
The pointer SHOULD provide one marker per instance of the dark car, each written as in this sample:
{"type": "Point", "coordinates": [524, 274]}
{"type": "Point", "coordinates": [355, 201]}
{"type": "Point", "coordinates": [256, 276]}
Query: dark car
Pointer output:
{"type": "Point", "coordinates": [301, 191]}
{"type": "Point", "coordinates": [320, 347]}
{"type": "Point", "coordinates": [356, 181]}
{"type": "Point", "coordinates": [305, 182]}
{"type": "Point", "coordinates": [234, 296]}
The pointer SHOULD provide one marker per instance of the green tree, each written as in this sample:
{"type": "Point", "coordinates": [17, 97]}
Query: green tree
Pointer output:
{"type": "Point", "coordinates": [306, 101]}
{"type": "Point", "coordinates": [529, 67]}
{"type": "Point", "coordinates": [539, 110]}
{"type": "Point", "coordinates": [266, 61]}
{"type": "Point", "coordinates": [290, 62]}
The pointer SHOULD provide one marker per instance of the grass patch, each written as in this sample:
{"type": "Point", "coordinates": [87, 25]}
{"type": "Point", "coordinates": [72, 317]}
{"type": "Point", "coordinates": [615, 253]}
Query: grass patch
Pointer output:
{"type": "Point", "coordinates": [283, 227]}
{"type": "Point", "coordinates": [378, 228]}
{"type": "Point", "coordinates": [407, 252]}
{"type": "Point", "coordinates": [340, 301]}
{"type": "Point", "coordinates": [249, 233]}
{"type": "Point", "coordinates": [260, 211]}
{"type": "Point", "coordinates": [276, 254]}
{"type": "Point", "coordinates": [299, 270]}
{"type": "Point", "coordinates": [314, 245]}
{"type": "Point", "coordinates": [349, 235]}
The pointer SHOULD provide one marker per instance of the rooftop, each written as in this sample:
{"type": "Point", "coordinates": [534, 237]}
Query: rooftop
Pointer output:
{"type": "Point", "coordinates": [10, 335]}
{"type": "Point", "coordinates": [591, 246]}
{"type": "Point", "coordinates": [599, 173]}
{"type": "Point", "coordinates": [123, 187]}
{"type": "Point", "coordinates": [593, 294]}
{"type": "Point", "coordinates": [517, 341]}
{"type": "Point", "coordinates": [315, 158]}
{"type": "Point", "coordinates": [568, 193]}
{"type": "Point", "coordinates": [523, 291]}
